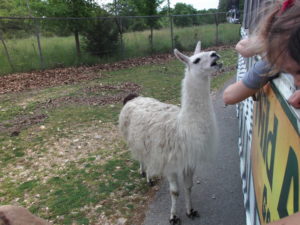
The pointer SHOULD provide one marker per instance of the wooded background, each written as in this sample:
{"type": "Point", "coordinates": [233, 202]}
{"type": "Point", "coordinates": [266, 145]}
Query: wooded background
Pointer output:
{"type": "Point", "coordinates": [31, 29]}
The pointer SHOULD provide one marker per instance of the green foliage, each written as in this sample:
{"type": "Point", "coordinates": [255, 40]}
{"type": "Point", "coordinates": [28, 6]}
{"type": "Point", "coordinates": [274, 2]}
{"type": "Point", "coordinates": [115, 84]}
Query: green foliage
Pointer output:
{"type": "Point", "coordinates": [225, 5]}
{"type": "Point", "coordinates": [177, 43]}
{"type": "Point", "coordinates": [74, 8]}
{"type": "Point", "coordinates": [45, 8]}
{"type": "Point", "coordinates": [28, 185]}
{"type": "Point", "coordinates": [98, 44]}
{"type": "Point", "coordinates": [122, 8]}
{"type": "Point", "coordinates": [61, 52]}
{"type": "Point", "coordinates": [149, 8]}
{"type": "Point", "coordinates": [184, 9]}
{"type": "Point", "coordinates": [125, 8]}
{"type": "Point", "coordinates": [136, 8]}
{"type": "Point", "coordinates": [138, 24]}
{"type": "Point", "coordinates": [12, 28]}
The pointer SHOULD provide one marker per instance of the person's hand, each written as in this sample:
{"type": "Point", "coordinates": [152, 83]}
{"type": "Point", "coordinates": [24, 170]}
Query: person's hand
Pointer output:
{"type": "Point", "coordinates": [249, 47]}
{"type": "Point", "coordinates": [294, 100]}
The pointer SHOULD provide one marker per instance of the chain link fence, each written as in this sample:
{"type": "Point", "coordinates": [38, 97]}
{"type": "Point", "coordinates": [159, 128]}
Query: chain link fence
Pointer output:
{"type": "Point", "coordinates": [38, 43]}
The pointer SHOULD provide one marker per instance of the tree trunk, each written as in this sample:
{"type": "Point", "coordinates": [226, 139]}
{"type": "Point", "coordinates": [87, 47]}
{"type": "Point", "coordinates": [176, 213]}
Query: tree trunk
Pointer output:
{"type": "Point", "coordinates": [120, 29]}
{"type": "Point", "coordinates": [171, 26]}
{"type": "Point", "coordinates": [76, 34]}
{"type": "Point", "coordinates": [37, 33]}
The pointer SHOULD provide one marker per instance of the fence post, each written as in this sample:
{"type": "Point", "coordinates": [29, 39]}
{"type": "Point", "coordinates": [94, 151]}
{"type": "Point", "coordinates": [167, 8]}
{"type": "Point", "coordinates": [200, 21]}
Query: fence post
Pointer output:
{"type": "Point", "coordinates": [217, 28]}
{"type": "Point", "coordinates": [120, 29]}
{"type": "Point", "coordinates": [171, 26]}
{"type": "Point", "coordinates": [118, 20]}
{"type": "Point", "coordinates": [6, 52]}
{"type": "Point", "coordinates": [77, 42]}
{"type": "Point", "coordinates": [37, 33]}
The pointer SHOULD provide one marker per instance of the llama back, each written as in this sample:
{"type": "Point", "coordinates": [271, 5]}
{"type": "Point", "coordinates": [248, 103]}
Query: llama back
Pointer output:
{"type": "Point", "coordinates": [144, 111]}
{"type": "Point", "coordinates": [149, 128]}
{"type": "Point", "coordinates": [155, 135]}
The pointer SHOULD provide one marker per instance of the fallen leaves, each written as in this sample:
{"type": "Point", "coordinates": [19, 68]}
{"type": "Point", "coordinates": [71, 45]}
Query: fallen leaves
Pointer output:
{"type": "Point", "coordinates": [52, 77]}
{"type": "Point", "coordinates": [48, 78]}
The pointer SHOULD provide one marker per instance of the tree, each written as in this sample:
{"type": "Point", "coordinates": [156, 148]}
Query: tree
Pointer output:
{"type": "Point", "coordinates": [123, 8]}
{"type": "Point", "coordinates": [184, 9]}
{"type": "Point", "coordinates": [72, 8]}
{"type": "Point", "coordinates": [149, 8]}
{"type": "Point", "coordinates": [15, 28]}
{"type": "Point", "coordinates": [98, 44]}
{"type": "Point", "coordinates": [225, 5]}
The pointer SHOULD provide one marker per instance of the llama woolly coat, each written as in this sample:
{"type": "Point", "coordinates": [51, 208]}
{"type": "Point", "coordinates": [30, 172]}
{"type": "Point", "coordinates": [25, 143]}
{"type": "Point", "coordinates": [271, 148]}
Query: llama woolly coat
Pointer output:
{"type": "Point", "coordinates": [169, 140]}
{"type": "Point", "coordinates": [161, 139]}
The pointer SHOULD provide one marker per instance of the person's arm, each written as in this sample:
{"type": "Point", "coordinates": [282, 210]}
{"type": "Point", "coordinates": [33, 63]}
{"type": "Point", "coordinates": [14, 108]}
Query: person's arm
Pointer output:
{"type": "Point", "coordinates": [252, 81]}
{"type": "Point", "coordinates": [290, 220]}
{"type": "Point", "coordinates": [237, 92]}
{"type": "Point", "coordinates": [294, 100]}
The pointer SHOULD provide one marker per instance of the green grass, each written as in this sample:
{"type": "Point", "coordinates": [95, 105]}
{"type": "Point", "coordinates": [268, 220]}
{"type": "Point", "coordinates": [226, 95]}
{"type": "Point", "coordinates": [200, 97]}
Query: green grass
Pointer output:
{"type": "Point", "coordinates": [137, 43]}
{"type": "Point", "coordinates": [61, 52]}
{"type": "Point", "coordinates": [73, 167]}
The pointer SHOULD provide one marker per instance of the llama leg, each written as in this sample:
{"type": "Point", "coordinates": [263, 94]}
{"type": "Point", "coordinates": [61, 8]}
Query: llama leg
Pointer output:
{"type": "Point", "coordinates": [142, 170]}
{"type": "Point", "coordinates": [188, 184]}
{"type": "Point", "coordinates": [173, 182]}
{"type": "Point", "coordinates": [150, 181]}
{"type": "Point", "coordinates": [145, 174]}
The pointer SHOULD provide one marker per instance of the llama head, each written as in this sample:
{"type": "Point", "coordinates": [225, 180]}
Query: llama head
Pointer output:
{"type": "Point", "coordinates": [202, 63]}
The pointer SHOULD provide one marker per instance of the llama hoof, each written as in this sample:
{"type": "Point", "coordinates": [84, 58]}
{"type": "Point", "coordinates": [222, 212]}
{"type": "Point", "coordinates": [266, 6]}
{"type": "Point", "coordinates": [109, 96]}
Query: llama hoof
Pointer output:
{"type": "Point", "coordinates": [175, 221]}
{"type": "Point", "coordinates": [151, 183]}
{"type": "Point", "coordinates": [193, 214]}
{"type": "Point", "coordinates": [143, 174]}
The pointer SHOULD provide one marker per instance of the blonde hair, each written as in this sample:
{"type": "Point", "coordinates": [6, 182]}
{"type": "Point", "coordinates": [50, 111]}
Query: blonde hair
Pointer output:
{"type": "Point", "coordinates": [275, 31]}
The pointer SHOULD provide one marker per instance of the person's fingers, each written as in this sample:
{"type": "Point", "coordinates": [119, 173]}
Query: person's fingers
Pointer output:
{"type": "Point", "coordinates": [294, 101]}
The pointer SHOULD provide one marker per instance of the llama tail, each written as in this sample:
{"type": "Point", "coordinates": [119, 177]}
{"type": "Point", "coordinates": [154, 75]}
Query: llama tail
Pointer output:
{"type": "Point", "coordinates": [129, 97]}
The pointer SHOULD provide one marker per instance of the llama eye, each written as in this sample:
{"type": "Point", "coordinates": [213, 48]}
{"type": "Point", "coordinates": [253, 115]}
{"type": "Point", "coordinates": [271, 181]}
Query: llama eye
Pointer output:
{"type": "Point", "coordinates": [197, 60]}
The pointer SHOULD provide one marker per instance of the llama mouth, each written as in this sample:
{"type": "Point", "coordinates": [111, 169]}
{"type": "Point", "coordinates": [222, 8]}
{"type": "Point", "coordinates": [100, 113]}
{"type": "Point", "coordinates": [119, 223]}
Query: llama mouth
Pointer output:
{"type": "Point", "coordinates": [216, 64]}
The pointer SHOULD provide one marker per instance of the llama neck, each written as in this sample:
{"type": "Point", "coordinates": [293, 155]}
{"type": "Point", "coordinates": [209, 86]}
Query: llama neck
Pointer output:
{"type": "Point", "coordinates": [195, 97]}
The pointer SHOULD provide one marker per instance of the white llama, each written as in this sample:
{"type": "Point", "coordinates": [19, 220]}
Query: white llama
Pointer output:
{"type": "Point", "coordinates": [168, 140]}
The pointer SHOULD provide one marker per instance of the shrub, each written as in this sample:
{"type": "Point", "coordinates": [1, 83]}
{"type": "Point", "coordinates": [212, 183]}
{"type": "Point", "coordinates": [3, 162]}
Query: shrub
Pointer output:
{"type": "Point", "coordinates": [101, 37]}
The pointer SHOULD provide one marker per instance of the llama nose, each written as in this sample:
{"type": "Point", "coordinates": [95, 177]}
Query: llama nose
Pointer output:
{"type": "Point", "coordinates": [215, 55]}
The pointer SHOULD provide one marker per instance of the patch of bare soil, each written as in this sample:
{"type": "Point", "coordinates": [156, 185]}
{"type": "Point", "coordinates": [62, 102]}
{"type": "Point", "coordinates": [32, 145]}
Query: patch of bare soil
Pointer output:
{"type": "Point", "coordinates": [21, 122]}
{"type": "Point", "coordinates": [87, 97]}
{"type": "Point", "coordinates": [140, 213]}
{"type": "Point", "coordinates": [97, 139]}
{"type": "Point", "coordinates": [122, 90]}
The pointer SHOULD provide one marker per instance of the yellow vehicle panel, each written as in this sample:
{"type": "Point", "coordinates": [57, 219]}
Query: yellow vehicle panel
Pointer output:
{"type": "Point", "coordinates": [275, 157]}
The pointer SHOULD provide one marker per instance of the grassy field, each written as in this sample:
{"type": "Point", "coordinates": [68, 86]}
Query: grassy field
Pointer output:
{"type": "Point", "coordinates": [61, 52]}
{"type": "Point", "coordinates": [68, 163]}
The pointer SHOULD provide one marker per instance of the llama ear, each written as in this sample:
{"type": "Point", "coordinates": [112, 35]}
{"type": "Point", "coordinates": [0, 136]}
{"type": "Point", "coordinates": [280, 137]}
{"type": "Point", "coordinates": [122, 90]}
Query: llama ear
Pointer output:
{"type": "Point", "coordinates": [181, 56]}
{"type": "Point", "coordinates": [198, 48]}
